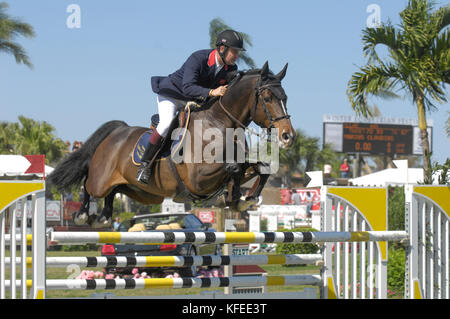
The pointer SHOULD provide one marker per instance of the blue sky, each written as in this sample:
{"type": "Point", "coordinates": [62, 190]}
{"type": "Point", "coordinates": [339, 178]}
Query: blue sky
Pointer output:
{"type": "Point", "coordinates": [101, 71]}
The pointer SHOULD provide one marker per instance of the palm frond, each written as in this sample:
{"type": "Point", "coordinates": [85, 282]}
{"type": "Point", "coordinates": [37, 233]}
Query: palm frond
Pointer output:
{"type": "Point", "coordinates": [10, 29]}
{"type": "Point", "coordinates": [386, 35]}
{"type": "Point", "coordinates": [17, 51]}
{"type": "Point", "coordinates": [371, 80]}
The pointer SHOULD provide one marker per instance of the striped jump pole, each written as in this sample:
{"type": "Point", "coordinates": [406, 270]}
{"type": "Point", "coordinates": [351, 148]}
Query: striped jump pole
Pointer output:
{"type": "Point", "coordinates": [179, 261]}
{"type": "Point", "coordinates": [244, 281]}
{"type": "Point", "coordinates": [78, 238]}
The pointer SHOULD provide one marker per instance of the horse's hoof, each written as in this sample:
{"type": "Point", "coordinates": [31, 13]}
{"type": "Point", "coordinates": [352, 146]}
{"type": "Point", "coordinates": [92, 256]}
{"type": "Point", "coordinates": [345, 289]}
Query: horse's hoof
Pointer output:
{"type": "Point", "coordinates": [91, 219]}
{"type": "Point", "coordinates": [80, 218]}
{"type": "Point", "coordinates": [243, 205]}
{"type": "Point", "coordinates": [102, 222]}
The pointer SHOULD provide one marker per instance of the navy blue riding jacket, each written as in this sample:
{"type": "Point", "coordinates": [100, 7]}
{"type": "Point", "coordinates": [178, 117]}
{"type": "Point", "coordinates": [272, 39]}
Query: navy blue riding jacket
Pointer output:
{"type": "Point", "coordinates": [194, 79]}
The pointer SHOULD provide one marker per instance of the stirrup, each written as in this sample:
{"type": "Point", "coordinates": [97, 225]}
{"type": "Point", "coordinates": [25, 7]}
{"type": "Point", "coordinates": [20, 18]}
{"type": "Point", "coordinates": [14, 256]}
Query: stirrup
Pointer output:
{"type": "Point", "coordinates": [144, 172]}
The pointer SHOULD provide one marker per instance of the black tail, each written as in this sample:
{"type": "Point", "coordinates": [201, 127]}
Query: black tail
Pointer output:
{"type": "Point", "coordinates": [72, 169]}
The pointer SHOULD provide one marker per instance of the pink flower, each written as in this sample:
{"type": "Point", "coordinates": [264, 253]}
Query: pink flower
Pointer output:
{"type": "Point", "coordinates": [176, 275]}
{"type": "Point", "coordinates": [135, 271]}
{"type": "Point", "coordinates": [99, 274]}
{"type": "Point", "coordinates": [169, 276]}
{"type": "Point", "coordinates": [109, 276]}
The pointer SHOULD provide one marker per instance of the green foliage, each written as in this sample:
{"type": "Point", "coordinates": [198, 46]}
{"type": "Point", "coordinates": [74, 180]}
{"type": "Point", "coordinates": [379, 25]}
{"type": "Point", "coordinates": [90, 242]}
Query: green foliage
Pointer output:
{"type": "Point", "coordinates": [263, 224]}
{"type": "Point", "coordinates": [418, 62]}
{"type": "Point", "coordinates": [10, 29]}
{"type": "Point", "coordinates": [443, 174]}
{"type": "Point", "coordinates": [28, 137]}
{"type": "Point", "coordinates": [396, 272]}
{"type": "Point", "coordinates": [216, 26]}
{"type": "Point", "coordinates": [297, 248]}
{"type": "Point", "coordinates": [306, 154]}
{"type": "Point", "coordinates": [396, 208]}
{"type": "Point", "coordinates": [87, 247]}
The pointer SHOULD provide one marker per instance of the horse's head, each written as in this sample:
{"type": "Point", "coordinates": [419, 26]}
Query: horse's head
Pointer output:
{"type": "Point", "coordinates": [269, 110]}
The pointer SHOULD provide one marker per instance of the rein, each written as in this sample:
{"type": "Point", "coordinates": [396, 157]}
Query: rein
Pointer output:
{"type": "Point", "coordinates": [258, 91]}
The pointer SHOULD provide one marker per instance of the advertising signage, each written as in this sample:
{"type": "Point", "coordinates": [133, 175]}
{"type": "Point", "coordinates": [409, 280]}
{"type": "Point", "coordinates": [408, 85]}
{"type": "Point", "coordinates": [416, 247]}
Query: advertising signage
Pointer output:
{"type": "Point", "coordinates": [382, 136]}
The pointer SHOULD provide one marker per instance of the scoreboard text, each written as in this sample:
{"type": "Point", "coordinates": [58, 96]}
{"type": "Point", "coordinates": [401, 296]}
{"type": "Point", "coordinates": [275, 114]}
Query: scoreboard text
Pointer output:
{"type": "Point", "coordinates": [377, 138]}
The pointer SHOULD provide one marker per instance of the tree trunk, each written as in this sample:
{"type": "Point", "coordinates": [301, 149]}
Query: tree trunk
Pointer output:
{"type": "Point", "coordinates": [424, 136]}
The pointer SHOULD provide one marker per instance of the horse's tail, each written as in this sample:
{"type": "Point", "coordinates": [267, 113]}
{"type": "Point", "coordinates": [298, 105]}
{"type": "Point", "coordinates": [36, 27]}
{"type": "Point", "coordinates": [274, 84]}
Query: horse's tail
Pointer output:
{"type": "Point", "coordinates": [72, 169]}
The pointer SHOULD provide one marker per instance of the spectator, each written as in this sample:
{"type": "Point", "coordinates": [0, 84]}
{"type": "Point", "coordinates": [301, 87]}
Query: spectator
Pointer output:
{"type": "Point", "coordinates": [345, 169]}
{"type": "Point", "coordinates": [67, 147]}
{"type": "Point", "coordinates": [309, 202]}
{"type": "Point", "coordinates": [75, 146]}
{"type": "Point", "coordinates": [327, 171]}
{"type": "Point", "coordinates": [117, 224]}
{"type": "Point", "coordinates": [286, 197]}
{"type": "Point", "coordinates": [296, 200]}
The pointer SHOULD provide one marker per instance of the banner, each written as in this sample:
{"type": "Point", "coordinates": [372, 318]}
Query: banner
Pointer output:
{"type": "Point", "coordinates": [206, 216]}
{"type": "Point", "coordinates": [286, 197]}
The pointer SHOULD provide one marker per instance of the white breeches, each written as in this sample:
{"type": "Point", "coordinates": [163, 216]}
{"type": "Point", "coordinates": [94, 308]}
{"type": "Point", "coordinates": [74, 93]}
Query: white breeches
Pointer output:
{"type": "Point", "coordinates": [167, 109]}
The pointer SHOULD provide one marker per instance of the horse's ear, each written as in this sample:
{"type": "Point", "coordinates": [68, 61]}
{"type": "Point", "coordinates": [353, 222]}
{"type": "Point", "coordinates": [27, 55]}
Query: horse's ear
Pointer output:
{"type": "Point", "coordinates": [282, 73]}
{"type": "Point", "coordinates": [265, 69]}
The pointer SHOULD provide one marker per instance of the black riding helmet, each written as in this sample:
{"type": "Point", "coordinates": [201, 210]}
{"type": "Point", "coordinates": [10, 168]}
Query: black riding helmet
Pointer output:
{"type": "Point", "coordinates": [230, 39]}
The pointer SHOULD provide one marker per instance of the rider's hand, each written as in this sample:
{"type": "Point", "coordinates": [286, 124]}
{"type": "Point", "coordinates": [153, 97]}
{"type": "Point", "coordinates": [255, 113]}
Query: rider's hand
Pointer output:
{"type": "Point", "coordinates": [220, 91]}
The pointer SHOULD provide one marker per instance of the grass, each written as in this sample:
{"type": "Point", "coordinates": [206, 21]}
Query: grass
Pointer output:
{"type": "Point", "coordinates": [72, 272]}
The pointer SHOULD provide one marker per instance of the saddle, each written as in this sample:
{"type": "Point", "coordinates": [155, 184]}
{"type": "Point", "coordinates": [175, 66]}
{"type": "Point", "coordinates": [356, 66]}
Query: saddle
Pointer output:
{"type": "Point", "coordinates": [168, 147]}
{"type": "Point", "coordinates": [180, 121]}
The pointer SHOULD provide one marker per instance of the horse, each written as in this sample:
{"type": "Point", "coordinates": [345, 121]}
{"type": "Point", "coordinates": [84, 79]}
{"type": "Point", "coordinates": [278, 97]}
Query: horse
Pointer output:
{"type": "Point", "coordinates": [104, 162]}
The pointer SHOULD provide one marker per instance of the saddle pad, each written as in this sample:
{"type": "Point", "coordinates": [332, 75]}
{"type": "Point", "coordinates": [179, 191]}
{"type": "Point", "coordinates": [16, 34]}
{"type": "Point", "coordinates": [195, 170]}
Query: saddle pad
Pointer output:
{"type": "Point", "coordinates": [143, 141]}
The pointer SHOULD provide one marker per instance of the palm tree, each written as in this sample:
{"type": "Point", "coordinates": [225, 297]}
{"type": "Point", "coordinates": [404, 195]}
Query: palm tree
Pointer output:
{"type": "Point", "coordinates": [10, 28]}
{"type": "Point", "coordinates": [31, 137]}
{"type": "Point", "coordinates": [216, 26]}
{"type": "Point", "coordinates": [418, 63]}
{"type": "Point", "coordinates": [305, 155]}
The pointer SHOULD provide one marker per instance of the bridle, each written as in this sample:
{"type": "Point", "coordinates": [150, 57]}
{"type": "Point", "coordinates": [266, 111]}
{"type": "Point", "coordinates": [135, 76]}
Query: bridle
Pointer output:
{"type": "Point", "coordinates": [259, 88]}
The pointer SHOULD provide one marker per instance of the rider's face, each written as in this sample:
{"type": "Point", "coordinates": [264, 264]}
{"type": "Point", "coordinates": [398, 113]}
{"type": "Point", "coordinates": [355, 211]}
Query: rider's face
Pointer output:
{"type": "Point", "coordinates": [231, 56]}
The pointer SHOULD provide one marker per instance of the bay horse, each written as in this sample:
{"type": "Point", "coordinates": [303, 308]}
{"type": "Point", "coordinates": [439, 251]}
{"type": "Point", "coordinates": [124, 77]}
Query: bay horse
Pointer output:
{"type": "Point", "coordinates": [105, 165]}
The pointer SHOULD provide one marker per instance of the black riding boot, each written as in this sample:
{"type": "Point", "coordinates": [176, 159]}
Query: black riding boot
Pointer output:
{"type": "Point", "coordinates": [144, 171]}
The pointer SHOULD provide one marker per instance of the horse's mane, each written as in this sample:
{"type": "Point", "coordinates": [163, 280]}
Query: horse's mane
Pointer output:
{"type": "Point", "coordinates": [233, 78]}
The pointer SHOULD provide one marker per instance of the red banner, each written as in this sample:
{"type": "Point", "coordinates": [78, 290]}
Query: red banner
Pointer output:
{"type": "Point", "coordinates": [70, 208]}
{"type": "Point", "coordinates": [286, 197]}
{"type": "Point", "coordinates": [206, 216]}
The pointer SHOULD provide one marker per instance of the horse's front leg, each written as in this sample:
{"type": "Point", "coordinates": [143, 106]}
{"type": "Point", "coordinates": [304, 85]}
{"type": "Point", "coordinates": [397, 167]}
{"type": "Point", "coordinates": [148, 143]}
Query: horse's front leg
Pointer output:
{"type": "Point", "coordinates": [251, 198]}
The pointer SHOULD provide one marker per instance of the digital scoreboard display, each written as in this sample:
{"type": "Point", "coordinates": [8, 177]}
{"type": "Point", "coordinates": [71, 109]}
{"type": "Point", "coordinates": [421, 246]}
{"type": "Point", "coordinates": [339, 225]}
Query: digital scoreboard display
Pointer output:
{"type": "Point", "coordinates": [377, 138]}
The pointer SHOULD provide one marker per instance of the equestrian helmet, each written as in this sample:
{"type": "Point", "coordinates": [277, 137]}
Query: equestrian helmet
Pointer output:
{"type": "Point", "coordinates": [231, 39]}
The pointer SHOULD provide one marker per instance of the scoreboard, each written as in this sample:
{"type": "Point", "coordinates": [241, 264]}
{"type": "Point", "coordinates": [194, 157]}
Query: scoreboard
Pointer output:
{"type": "Point", "coordinates": [380, 136]}
{"type": "Point", "coordinates": [377, 138]}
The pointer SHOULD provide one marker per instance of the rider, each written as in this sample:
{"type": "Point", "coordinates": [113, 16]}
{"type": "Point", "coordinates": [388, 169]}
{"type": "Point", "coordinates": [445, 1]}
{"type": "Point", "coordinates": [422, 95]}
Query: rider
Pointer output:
{"type": "Point", "coordinates": [201, 76]}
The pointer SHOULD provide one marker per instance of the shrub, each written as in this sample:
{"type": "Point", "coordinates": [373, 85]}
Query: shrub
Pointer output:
{"type": "Point", "coordinates": [87, 247]}
{"type": "Point", "coordinates": [299, 248]}
{"type": "Point", "coordinates": [396, 272]}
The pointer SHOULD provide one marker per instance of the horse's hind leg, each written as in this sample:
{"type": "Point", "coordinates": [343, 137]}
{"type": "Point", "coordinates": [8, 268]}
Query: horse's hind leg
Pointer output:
{"type": "Point", "coordinates": [105, 218]}
{"type": "Point", "coordinates": [81, 217]}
